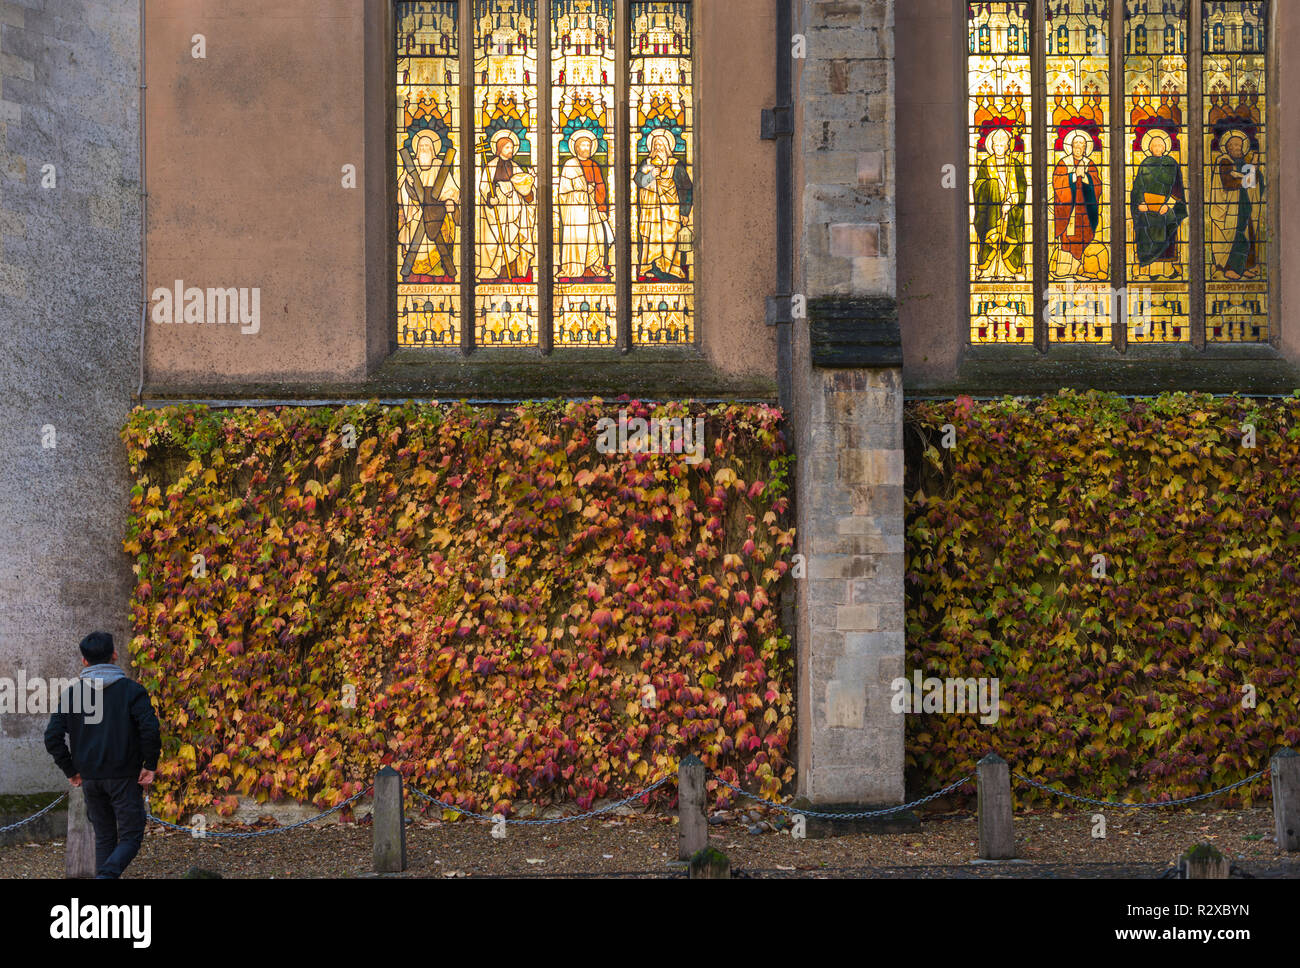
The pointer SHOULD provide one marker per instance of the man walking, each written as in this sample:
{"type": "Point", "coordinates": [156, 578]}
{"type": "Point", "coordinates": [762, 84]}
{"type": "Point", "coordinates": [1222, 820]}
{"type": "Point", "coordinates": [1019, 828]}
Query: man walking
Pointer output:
{"type": "Point", "coordinates": [115, 748]}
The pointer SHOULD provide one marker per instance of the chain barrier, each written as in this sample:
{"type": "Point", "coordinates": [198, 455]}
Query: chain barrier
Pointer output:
{"type": "Point", "coordinates": [791, 811]}
{"type": "Point", "coordinates": [1141, 806]}
{"type": "Point", "coordinates": [543, 823]}
{"type": "Point", "coordinates": [860, 815]}
{"type": "Point", "coordinates": [35, 816]}
{"type": "Point", "coordinates": [254, 833]}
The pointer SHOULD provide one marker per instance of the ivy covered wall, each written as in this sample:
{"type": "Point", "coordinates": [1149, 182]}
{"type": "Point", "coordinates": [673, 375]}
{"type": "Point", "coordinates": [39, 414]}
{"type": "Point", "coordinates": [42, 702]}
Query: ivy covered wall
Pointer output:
{"type": "Point", "coordinates": [484, 599]}
{"type": "Point", "coordinates": [1127, 569]}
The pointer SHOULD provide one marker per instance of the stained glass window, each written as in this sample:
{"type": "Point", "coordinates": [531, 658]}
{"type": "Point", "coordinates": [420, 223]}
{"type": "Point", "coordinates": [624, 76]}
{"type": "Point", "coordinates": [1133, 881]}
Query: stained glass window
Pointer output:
{"type": "Point", "coordinates": [663, 173]}
{"type": "Point", "coordinates": [505, 172]}
{"type": "Point", "coordinates": [583, 65]}
{"type": "Point", "coordinates": [1078, 302]}
{"type": "Point", "coordinates": [1001, 174]}
{"type": "Point", "coordinates": [1234, 77]}
{"type": "Point", "coordinates": [1153, 208]}
{"type": "Point", "coordinates": [546, 164]}
{"type": "Point", "coordinates": [428, 153]}
{"type": "Point", "coordinates": [1156, 170]}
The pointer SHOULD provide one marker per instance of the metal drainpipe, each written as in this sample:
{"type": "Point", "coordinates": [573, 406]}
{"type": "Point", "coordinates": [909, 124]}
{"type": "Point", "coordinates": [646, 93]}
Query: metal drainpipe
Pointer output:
{"type": "Point", "coordinates": [144, 207]}
{"type": "Point", "coordinates": [785, 197]}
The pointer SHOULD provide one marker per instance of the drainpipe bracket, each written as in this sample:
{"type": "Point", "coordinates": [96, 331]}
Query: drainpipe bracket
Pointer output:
{"type": "Point", "coordinates": [776, 123]}
{"type": "Point", "coordinates": [780, 310]}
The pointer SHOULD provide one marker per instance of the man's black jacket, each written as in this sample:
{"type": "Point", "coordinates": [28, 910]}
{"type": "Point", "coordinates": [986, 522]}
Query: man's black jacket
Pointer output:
{"type": "Point", "coordinates": [125, 739]}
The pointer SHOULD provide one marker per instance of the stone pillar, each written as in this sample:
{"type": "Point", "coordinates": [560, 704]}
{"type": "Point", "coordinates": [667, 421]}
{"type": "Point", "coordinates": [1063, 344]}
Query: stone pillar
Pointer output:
{"type": "Point", "coordinates": [848, 408]}
{"type": "Point", "coordinates": [69, 344]}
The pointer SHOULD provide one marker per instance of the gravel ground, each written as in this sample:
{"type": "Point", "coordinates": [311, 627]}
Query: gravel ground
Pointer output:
{"type": "Point", "coordinates": [1056, 844]}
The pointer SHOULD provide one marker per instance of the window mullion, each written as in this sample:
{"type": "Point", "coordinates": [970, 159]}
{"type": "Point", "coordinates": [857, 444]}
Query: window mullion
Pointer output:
{"type": "Point", "coordinates": [469, 254]}
{"type": "Point", "coordinates": [621, 174]}
{"type": "Point", "coordinates": [1119, 227]}
{"type": "Point", "coordinates": [1196, 177]}
{"type": "Point", "coordinates": [545, 196]}
{"type": "Point", "coordinates": [1040, 204]}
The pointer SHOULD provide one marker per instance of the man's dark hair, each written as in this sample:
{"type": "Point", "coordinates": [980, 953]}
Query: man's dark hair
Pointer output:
{"type": "Point", "coordinates": [97, 648]}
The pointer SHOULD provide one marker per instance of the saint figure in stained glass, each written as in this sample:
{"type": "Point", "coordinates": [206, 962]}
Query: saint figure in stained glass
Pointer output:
{"type": "Point", "coordinates": [506, 193]}
{"type": "Point", "coordinates": [429, 210]}
{"type": "Point", "coordinates": [586, 237]}
{"type": "Point", "coordinates": [1158, 202]}
{"type": "Point", "coordinates": [1000, 187]}
{"type": "Point", "coordinates": [664, 199]}
{"type": "Point", "coordinates": [1076, 205]}
{"type": "Point", "coordinates": [1235, 190]}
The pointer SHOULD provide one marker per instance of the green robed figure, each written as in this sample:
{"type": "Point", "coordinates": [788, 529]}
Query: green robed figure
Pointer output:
{"type": "Point", "coordinates": [1000, 188]}
{"type": "Point", "coordinates": [1158, 205]}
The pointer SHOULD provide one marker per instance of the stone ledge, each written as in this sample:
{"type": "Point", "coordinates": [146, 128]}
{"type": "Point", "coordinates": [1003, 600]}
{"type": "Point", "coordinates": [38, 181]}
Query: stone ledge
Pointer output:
{"type": "Point", "coordinates": [490, 376]}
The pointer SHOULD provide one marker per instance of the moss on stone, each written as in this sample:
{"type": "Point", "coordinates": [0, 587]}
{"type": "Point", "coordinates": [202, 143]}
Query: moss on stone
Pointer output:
{"type": "Point", "coordinates": [25, 804]}
{"type": "Point", "coordinates": [1203, 852]}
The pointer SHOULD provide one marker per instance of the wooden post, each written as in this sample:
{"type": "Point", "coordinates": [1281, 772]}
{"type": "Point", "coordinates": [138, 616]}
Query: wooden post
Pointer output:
{"type": "Point", "coordinates": [710, 864]}
{"type": "Point", "coordinates": [389, 818]}
{"type": "Point", "coordinates": [79, 850]}
{"type": "Point", "coordinates": [692, 824]}
{"type": "Point", "coordinates": [997, 832]}
{"type": "Point", "coordinates": [1204, 862]}
{"type": "Point", "coordinates": [1286, 799]}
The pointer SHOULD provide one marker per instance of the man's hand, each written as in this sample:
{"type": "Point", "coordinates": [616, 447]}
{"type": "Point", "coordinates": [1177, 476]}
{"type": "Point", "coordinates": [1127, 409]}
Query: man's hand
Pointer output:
{"type": "Point", "coordinates": [75, 780]}
{"type": "Point", "coordinates": [146, 778]}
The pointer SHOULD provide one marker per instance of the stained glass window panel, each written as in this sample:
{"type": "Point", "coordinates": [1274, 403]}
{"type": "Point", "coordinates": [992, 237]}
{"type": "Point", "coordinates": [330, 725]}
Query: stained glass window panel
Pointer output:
{"type": "Point", "coordinates": [583, 66]}
{"type": "Point", "coordinates": [1078, 301]}
{"type": "Point", "coordinates": [428, 192]}
{"type": "Point", "coordinates": [505, 173]}
{"type": "Point", "coordinates": [1001, 174]}
{"type": "Point", "coordinates": [1156, 173]}
{"type": "Point", "coordinates": [1234, 78]}
{"type": "Point", "coordinates": [661, 102]}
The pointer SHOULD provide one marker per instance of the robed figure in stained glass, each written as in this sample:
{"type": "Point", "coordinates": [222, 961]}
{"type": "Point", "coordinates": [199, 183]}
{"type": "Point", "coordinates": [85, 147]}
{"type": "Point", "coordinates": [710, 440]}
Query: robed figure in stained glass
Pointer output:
{"type": "Point", "coordinates": [1158, 203]}
{"type": "Point", "coordinates": [1235, 189]}
{"type": "Point", "coordinates": [1000, 187]}
{"type": "Point", "coordinates": [428, 213]}
{"type": "Point", "coordinates": [506, 194]}
{"type": "Point", "coordinates": [1076, 205]}
{"type": "Point", "coordinates": [585, 232]}
{"type": "Point", "coordinates": [664, 200]}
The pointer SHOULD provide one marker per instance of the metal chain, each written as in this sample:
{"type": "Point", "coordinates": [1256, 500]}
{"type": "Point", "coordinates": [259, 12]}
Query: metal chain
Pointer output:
{"type": "Point", "coordinates": [35, 816]}
{"type": "Point", "coordinates": [542, 823]}
{"type": "Point", "coordinates": [256, 833]}
{"type": "Point", "coordinates": [783, 808]}
{"type": "Point", "coordinates": [860, 815]}
{"type": "Point", "coordinates": [1140, 806]}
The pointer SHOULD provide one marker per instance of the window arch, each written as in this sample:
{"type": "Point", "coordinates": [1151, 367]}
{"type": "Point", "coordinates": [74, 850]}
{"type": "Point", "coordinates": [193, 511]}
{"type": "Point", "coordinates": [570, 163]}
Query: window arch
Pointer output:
{"type": "Point", "coordinates": [531, 211]}
{"type": "Point", "coordinates": [1119, 191]}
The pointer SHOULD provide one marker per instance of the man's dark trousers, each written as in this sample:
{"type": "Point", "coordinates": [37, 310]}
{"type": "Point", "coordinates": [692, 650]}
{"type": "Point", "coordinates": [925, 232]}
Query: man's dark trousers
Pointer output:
{"type": "Point", "coordinates": [116, 811]}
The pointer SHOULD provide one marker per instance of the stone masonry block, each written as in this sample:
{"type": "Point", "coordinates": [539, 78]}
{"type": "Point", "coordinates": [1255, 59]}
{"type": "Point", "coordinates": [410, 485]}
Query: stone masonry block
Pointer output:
{"type": "Point", "coordinates": [840, 566]}
{"type": "Point", "coordinates": [871, 168]}
{"type": "Point", "coordinates": [855, 241]}
{"type": "Point", "coordinates": [857, 617]}
{"type": "Point", "coordinates": [873, 276]}
{"type": "Point", "coordinates": [828, 593]}
{"type": "Point", "coordinates": [871, 467]}
{"type": "Point", "coordinates": [846, 704]}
